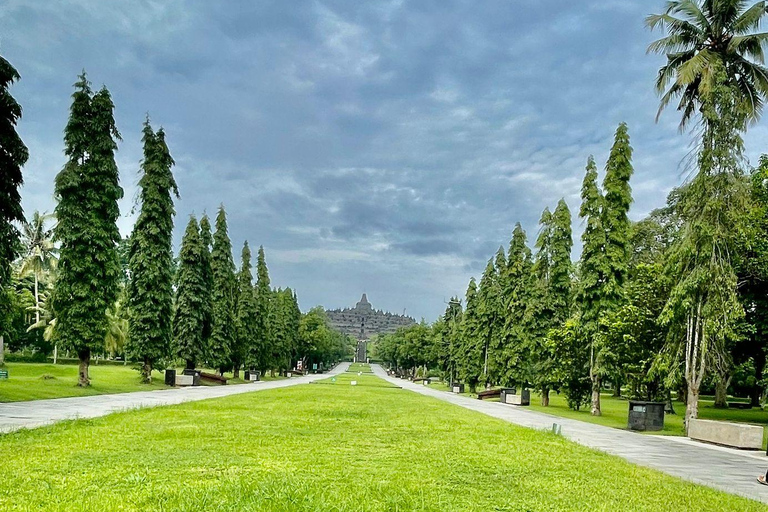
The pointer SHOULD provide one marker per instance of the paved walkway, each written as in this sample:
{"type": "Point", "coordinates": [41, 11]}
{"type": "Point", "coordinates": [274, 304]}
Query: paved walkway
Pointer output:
{"type": "Point", "coordinates": [36, 413]}
{"type": "Point", "coordinates": [729, 470]}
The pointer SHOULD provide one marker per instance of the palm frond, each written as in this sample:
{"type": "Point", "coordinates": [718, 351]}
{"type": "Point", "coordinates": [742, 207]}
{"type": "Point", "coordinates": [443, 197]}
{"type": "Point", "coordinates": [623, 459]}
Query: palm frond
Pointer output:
{"type": "Point", "coordinates": [750, 45]}
{"type": "Point", "coordinates": [750, 19]}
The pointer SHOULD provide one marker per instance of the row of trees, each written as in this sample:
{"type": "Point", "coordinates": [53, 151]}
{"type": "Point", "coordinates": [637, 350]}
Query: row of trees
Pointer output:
{"type": "Point", "coordinates": [675, 301]}
{"type": "Point", "coordinates": [103, 294]}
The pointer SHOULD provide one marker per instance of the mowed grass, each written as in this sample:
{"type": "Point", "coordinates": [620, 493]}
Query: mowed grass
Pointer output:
{"type": "Point", "coordinates": [35, 381]}
{"type": "Point", "coordinates": [327, 446]}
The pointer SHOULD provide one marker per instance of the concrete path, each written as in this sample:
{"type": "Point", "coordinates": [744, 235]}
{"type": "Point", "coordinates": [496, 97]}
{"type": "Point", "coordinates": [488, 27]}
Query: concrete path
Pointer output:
{"type": "Point", "coordinates": [35, 413]}
{"type": "Point", "coordinates": [729, 470]}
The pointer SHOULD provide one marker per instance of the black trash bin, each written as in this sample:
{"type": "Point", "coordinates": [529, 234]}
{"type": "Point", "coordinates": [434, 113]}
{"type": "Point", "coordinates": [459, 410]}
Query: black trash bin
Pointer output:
{"type": "Point", "coordinates": [457, 387]}
{"type": "Point", "coordinates": [645, 415]}
{"type": "Point", "coordinates": [252, 375]}
{"type": "Point", "coordinates": [170, 377]}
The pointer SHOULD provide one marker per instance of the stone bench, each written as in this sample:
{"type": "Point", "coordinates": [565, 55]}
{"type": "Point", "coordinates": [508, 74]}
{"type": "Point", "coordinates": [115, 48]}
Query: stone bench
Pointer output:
{"type": "Point", "coordinates": [184, 380]}
{"type": "Point", "coordinates": [736, 435]}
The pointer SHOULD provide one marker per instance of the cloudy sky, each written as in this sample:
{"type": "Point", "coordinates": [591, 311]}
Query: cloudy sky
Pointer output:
{"type": "Point", "coordinates": [379, 146]}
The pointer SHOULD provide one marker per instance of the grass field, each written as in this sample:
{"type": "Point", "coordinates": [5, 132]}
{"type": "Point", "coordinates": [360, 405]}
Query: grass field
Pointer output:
{"type": "Point", "coordinates": [327, 446]}
{"type": "Point", "coordinates": [35, 381]}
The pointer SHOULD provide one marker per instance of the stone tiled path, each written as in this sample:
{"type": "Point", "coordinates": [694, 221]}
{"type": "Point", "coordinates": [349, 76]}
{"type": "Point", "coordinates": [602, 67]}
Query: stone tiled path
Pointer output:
{"type": "Point", "coordinates": [17, 415]}
{"type": "Point", "coordinates": [732, 471]}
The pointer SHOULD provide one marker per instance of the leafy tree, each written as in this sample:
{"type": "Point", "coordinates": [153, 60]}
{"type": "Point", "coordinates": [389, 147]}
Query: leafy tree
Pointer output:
{"type": "Point", "coordinates": [572, 364]}
{"type": "Point", "coordinates": [260, 353]}
{"type": "Point", "coordinates": [39, 252]}
{"type": "Point", "coordinates": [703, 310]}
{"type": "Point", "coordinates": [704, 37]}
{"type": "Point", "coordinates": [87, 189]}
{"type": "Point", "coordinates": [191, 298]}
{"type": "Point", "coordinates": [13, 156]}
{"type": "Point", "coordinates": [150, 257]}
{"type": "Point", "coordinates": [223, 296]}
{"type": "Point", "coordinates": [246, 312]}
{"type": "Point", "coordinates": [752, 270]}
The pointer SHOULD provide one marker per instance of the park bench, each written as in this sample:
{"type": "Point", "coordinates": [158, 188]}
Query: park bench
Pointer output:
{"type": "Point", "coordinates": [736, 435]}
{"type": "Point", "coordinates": [213, 378]}
{"type": "Point", "coordinates": [489, 393]}
{"type": "Point", "coordinates": [739, 405]}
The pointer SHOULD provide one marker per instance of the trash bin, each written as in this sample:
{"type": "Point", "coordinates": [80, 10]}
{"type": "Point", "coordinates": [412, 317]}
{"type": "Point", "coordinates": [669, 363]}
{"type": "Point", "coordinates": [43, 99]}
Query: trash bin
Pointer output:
{"type": "Point", "coordinates": [457, 387]}
{"type": "Point", "coordinates": [645, 415]}
{"type": "Point", "coordinates": [170, 377]}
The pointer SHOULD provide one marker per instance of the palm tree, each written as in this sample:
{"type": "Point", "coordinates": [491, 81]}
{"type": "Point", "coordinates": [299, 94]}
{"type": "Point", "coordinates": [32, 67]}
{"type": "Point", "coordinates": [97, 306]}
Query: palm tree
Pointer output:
{"type": "Point", "coordinates": [702, 37]}
{"type": "Point", "coordinates": [39, 256]}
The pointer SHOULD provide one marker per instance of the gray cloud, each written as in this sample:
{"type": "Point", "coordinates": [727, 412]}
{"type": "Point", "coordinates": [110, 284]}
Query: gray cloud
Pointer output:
{"type": "Point", "coordinates": [384, 146]}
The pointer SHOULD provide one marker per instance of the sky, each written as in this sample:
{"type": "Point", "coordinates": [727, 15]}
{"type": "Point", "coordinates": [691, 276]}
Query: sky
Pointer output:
{"type": "Point", "coordinates": [386, 147]}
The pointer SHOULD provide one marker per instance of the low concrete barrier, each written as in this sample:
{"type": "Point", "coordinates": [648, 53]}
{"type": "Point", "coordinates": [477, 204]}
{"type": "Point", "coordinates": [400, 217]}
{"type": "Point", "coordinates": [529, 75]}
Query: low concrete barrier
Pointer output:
{"type": "Point", "coordinates": [185, 380]}
{"type": "Point", "coordinates": [737, 435]}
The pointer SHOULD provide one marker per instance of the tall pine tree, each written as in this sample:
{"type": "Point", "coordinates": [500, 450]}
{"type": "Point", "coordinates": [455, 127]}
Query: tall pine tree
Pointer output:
{"type": "Point", "coordinates": [223, 330]}
{"type": "Point", "coordinates": [605, 258]}
{"type": "Point", "coordinates": [261, 349]}
{"type": "Point", "coordinates": [87, 189]}
{"type": "Point", "coordinates": [470, 354]}
{"type": "Point", "coordinates": [592, 273]}
{"type": "Point", "coordinates": [246, 312]}
{"type": "Point", "coordinates": [206, 240]}
{"type": "Point", "coordinates": [13, 156]}
{"type": "Point", "coordinates": [517, 295]}
{"type": "Point", "coordinates": [150, 259]}
{"type": "Point", "coordinates": [191, 296]}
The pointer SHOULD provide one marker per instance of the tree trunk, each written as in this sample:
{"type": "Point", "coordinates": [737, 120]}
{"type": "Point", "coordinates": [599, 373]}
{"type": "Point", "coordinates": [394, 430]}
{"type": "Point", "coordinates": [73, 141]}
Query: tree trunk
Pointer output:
{"type": "Point", "coordinates": [55, 352]}
{"type": "Point", "coordinates": [757, 389]}
{"type": "Point", "coordinates": [691, 406]}
{"type": "Point", "coordinates": [595, 409]}
{"type": "Point", "coordinates": [721, 392]}
{"type": "Point", "coordinates": [85, 358]}
{"type": "Point", "coordinates": [37, 302]}
{"type": "Point", "coordinates": [617, 388]}
{"type": "Point", "coordinates": [2, 350]}
{"type": "Point", "coordinates": [545, 396]}
{"type": "Point", "coordinates": [190, 365]}
{"type": "Point", "coordinates": [236, 371]}
{"type": "Point", "coordinates": [146, 371]}
{"type": "Point", "coordinates": [669, 407]}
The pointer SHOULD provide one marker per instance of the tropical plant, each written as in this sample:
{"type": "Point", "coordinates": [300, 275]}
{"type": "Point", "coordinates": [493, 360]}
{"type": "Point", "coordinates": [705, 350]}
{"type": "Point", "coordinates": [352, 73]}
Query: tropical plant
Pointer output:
{"type": "Point", "coordinates": [702, 36]}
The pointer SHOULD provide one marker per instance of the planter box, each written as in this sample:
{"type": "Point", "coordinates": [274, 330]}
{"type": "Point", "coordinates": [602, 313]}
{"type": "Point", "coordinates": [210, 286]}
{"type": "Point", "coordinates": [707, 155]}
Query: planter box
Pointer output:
{"type": "Point", "coordinates": [185, 380]}
{"type": "Point", "coordinates": [524, 398]}
{"type": "Point", "coordinates": [736, 435]}
{"type": "Point", "coordinates": [195, 374]}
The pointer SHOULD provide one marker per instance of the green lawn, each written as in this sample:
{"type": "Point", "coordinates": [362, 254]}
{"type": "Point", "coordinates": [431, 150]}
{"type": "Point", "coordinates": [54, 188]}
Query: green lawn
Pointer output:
{"type": "Point", "coordinates": [327, 446]}
{"type": "Point", "coordinates": [35, 381]}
